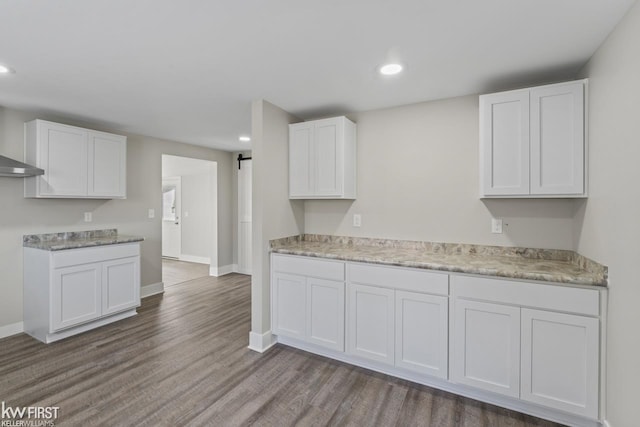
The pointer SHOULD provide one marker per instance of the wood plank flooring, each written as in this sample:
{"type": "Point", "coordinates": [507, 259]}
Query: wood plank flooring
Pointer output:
{"type": "Point", "coordinates": [183, 361]}
{"type": "Point", "coordinates": [175, 272]}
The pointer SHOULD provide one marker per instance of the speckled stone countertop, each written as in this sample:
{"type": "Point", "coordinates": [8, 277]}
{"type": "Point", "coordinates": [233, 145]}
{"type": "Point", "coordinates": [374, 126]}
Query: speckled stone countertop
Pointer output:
{"type": "Point", "coordinates": [77, 239]}
{"type": "Point", "coordinates": [549, 265]}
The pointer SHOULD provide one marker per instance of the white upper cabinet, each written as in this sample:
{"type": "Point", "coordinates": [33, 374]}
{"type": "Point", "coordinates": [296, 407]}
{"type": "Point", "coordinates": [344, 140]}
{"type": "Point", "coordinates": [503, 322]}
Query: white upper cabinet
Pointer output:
{"type": "Point", "coordinates": [322, 159]}
{"type": "Point", "coordinates": [532, 142]}
{"type": "Point", "coordinates": [77, 162]}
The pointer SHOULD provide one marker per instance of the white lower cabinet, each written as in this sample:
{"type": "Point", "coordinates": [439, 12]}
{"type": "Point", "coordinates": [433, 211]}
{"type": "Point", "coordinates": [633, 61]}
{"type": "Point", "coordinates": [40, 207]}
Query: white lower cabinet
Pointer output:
{"type": "Point", "coordinates": [371, 323]}
{"type": "Point", "coordinates": [306, 308]}
{"type": "Point", "coordinates": [560, 361]}
{"type": "Point", "coordinates": [398, 316]}
{"type": "Point", "coordinates": [71, 291]}
{"type": "Point", "coordinates": [548, 355]}
{"type": "Point", "coordinates": [528, 346]}
{"type": "Point", "coordinates": [487, 342]}
{"type": "Point", "coordinates": [421, 333]}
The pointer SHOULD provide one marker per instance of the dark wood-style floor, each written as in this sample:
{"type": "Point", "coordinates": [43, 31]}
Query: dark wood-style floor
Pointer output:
{"type": "Point", "coordinates": [184, 361]}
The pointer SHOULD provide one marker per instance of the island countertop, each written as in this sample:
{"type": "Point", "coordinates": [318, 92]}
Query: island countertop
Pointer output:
{"type": "Point", "coordinates": [77, 239]}
{"type": "Point", "coordinates": [548, 265]}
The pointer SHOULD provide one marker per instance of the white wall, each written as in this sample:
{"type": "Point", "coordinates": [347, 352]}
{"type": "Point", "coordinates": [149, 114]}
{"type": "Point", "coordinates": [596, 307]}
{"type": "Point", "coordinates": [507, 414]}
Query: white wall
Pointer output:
{"type": "Point", "coordinates": [418, 180]}
{"type": "Point", "coordinates": [199, 209]}
{"type": "Point", "coordinates": [20, 216]}
{"type": "Point", "coordinates": [607, 225]}
{"type": "Point", "coordinates": [274, 215]}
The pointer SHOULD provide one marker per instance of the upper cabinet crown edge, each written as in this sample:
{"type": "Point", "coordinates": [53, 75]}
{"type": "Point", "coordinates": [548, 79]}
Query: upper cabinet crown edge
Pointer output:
{"type": "Point", "coordinates": [533, 142]}
{"type": "Point", "coordinates": [322, 159]}
{"type": "Point", "coordinates": [78, 163]}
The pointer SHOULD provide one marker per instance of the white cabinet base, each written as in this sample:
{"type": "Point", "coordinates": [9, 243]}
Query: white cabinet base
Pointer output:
{"type": "Point", "coordinates": [71, 291]}
{"type": "Point", "coordinates": [47, 338]}
{"type": "Point", "coordinates": [441, 384]}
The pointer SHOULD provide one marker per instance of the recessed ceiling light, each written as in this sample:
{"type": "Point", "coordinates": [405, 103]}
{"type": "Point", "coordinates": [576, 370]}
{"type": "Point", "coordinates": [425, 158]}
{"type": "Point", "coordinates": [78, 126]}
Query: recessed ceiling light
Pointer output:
{"type": "Point", "coordinates": [5, 70]}
{"type": "Point", "coordinates": [244, 139]}
{"type": "Point", "coordinates": [390, 69]}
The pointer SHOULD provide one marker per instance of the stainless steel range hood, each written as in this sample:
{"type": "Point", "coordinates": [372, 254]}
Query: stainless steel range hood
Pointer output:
{"type": "Point", "coordinates": [14, 168]}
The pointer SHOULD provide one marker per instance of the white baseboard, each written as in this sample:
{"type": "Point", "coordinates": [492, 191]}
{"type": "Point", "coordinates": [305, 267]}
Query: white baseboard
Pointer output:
{"type": "Point", "coordinates": [12, 329]}
{"type": "Point", "coordinates": [261, 342]}
{"type": "Point", "coordinates": [194, 258]}
{"type": "Point", "coordinates": [221, 271]}
{"type": "Point", "coordinates": [153, 289]}
{"type": "Point", "coordinates": [239, 270]}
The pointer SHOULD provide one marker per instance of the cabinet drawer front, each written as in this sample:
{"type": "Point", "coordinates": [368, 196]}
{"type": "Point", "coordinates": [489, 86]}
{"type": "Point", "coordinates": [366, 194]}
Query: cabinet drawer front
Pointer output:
{"type": "Point", "coordinates": [310, 267]}
{"type": "Point", "coordinates": [87, 255]}
{"type": "Point", "coordinates": [550, 297]}
{"type": "Point", "coordinates": [399, 278]}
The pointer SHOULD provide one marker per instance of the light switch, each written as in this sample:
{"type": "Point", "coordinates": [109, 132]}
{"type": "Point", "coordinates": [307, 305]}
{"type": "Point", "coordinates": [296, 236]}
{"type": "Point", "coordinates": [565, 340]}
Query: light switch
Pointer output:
{"type": "Point", "coordinates": [357, 220]}
{"type": "Point", "coordinates": [496, 225]}
{"type": "Point", "coordinates": [152, 213]}
{"type": "Point", "coordinates": [88, 217]}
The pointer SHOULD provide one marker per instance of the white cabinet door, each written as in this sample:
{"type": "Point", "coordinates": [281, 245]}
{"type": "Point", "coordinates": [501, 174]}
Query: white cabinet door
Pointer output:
{"type": "Point", "coordinates": [325, 313]}
{"type": "Point", "coordinates": [300, 159]}
{"type": "Point", "coordinates": [557, 139]}
{"type": "Point", "coordinates": [63, 156]}
{"type": "Point", "coordinates": [76, 295]}
{"type": "Point", "coordinates": [371, 323]}
{"type": "Point", "coordinates": [107, 165]}
{"type": "Point", "coordinates": [120, 285]}
{"type": "Point", "coordinates": [328, 157]}
{"type": "Point", "coordinates": [504, 143]}
{"type": "Point", "coordinates": [560, 354]}
{"type": "Point", "coordinates": [486, 346]}
{"type": "Point", "coordinates": [289, 305]}
{"type": "Point", "coordinates": [421, 333]}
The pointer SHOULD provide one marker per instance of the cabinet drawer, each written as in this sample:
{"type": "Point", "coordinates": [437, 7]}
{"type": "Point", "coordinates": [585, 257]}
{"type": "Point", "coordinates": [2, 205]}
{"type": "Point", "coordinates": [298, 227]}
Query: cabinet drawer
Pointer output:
{"type": "Point", "coordinates": [88, 255]}
{"type": "Point", "coordinates": [399, 278]}
{"type": "Point", "coordinates": [535, 295]}
{"type": "Point", "coordinates": [310, 267]}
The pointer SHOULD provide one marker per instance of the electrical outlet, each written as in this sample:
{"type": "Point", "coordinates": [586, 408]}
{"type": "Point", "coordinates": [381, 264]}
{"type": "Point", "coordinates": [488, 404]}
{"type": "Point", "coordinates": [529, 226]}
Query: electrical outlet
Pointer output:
{"type": "Point", "coordinates": [357, 220]}
{"type": "Point", "coordinates": [152, 213]}
{"type": "Point", "coordinates": [496, 225]}
{"type": "Point", "coordinates": [88, 217]}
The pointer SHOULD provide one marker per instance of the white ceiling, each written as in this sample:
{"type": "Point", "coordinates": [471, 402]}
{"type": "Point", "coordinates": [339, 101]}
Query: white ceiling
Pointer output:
{"type": "Point", "coordinates": [188, 70]}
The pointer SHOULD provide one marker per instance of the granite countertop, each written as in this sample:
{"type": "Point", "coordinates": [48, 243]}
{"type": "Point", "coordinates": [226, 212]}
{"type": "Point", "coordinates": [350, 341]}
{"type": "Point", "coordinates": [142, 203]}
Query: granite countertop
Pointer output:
{"type": "Point", "coordinates": [77, 239]}
{"type": "Point", "coordinates": [549, 265]}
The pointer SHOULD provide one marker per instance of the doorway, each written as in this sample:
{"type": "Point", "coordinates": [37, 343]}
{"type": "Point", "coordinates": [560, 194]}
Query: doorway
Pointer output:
{"type": "Point", "coordinates": [189, 211]}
